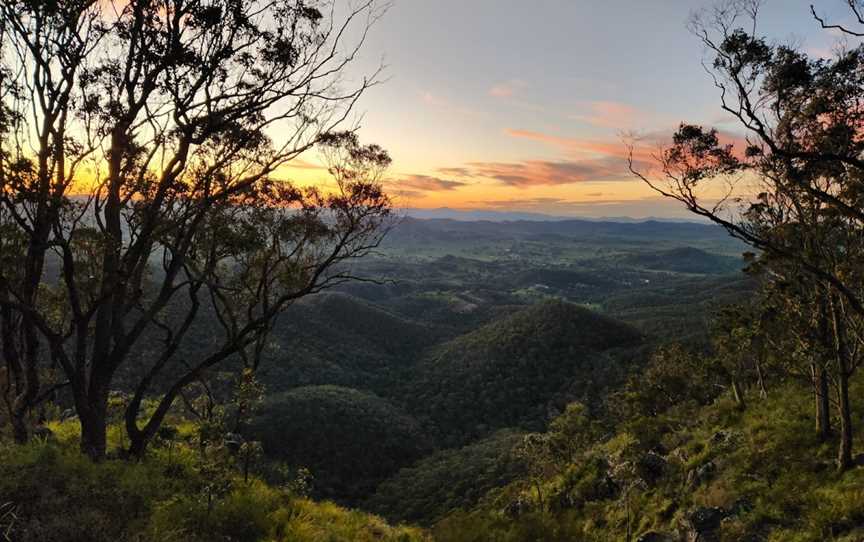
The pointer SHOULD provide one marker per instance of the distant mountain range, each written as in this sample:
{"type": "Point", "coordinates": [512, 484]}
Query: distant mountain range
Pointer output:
{"type": "Point", "coordinates": [506, 216]}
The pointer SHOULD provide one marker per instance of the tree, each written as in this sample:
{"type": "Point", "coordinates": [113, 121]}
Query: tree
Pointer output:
{"type": "Point", "coordinates": [153, 193]}
{"type": "Point", "coordinates": [673, 376]}
{"type": "Point", "coordinates": [794, 191]}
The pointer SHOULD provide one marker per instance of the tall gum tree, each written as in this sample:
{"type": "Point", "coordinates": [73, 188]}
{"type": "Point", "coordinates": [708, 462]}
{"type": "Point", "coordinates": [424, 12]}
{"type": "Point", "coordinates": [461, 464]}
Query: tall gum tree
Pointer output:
{"type": "Point", "coordinates": [795, 189]}
{"type": "Point", "coordinates": [144, 168]}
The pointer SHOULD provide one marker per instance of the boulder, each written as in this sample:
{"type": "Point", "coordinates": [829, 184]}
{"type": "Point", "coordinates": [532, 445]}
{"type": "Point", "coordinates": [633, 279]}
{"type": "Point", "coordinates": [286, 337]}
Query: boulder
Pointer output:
{"type": "Point", "coordinates": [651, 467]}
{"type": "Point", "coordinates": [701, 524]}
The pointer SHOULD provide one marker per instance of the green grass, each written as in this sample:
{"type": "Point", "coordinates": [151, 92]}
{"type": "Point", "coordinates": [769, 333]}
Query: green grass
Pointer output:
{"type": "Point", "coordinates": [58, 495]}
{"type": "Point", "coordinates": [772, 468]}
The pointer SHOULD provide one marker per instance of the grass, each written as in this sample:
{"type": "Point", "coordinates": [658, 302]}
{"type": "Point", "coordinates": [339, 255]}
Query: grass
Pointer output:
{"type": "Point", "coordinates": [778, 482]}
{"type": "Point", "coordinates": [58, 495]}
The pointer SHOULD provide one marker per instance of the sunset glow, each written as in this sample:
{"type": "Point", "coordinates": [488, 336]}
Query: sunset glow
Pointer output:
{"type": "Point", "coordinates": [496, 105]}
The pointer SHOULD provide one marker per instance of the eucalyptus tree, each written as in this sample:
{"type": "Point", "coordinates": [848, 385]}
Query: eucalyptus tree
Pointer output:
{"type": "Point", "coordinates": [147, 164]}
{"type": "Point", "coordinates": [794, 188]}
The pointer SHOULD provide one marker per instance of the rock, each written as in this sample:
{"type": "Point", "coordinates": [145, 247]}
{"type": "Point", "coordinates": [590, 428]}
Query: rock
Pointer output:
{"type": "Point", "coordinates": [700, 524]}
{"type": "Point", "coordinates": [741, 506]}
{"type": "Point", "coordinates": [233, 442]}
{"type": "Point", "coordinates": [68, 414]}
{"type": "Point", "coordinates": [516, 508]}
{"type": "Point", "coordinates": [701, 474]}
{"type": "Point", "coordinates": [651, 467]}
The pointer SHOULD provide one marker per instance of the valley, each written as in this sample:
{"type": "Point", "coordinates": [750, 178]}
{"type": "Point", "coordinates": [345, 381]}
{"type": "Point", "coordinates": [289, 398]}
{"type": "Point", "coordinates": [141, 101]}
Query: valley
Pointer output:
{"type": "Point", "coordinates": [471, 334]}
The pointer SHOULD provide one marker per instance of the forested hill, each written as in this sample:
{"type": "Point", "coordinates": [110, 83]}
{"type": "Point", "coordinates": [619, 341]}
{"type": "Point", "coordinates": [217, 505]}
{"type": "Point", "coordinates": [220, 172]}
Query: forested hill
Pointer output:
{"type": "Point", "coordinates": [519, 370]}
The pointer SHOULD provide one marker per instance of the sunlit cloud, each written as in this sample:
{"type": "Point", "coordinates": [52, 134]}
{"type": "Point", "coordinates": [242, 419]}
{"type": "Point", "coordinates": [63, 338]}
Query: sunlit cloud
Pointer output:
{"type": "Point", "coordinates": [584, 161]}
{"type": "Point", "coordinates": [461, 172]}
{"type": "Point", "coordinates": [427, 183]}
{"type": "Point", "coordinates": [548, 173]}
{"type": "Point", "coordinates": [615, 148]}
{"type": "Point", "coordinates": [408, 194]}
{"type": "Point", "coordinates": [643, 147]}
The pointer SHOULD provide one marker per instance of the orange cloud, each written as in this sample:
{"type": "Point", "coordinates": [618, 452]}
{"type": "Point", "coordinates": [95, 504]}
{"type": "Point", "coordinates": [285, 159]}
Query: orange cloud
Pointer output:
{"type": "Point", "coordinates": [427, 183]}
{"type": "Point", "coordinates": [645, 146]}
{"type": "Point", "coordinates": [547, 173]}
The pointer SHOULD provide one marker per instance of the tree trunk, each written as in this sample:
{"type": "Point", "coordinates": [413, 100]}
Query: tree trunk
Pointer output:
{"type": "Point", "coordinates": [821, 400]}
{"type": "Point", "coordinates": [137, 447]}
{"type": "Point", "coordinates": [844, 457]}
{"type": "Point", "coordinates": [763, 390]}
{"type": "Point", "coordinates": [841, 354]}
{"type": "Point", "coordinates": [739, 396]}
{"type": "Point", "coordinates": [94, 421]}
{"type": "Point", "coordinates": [18, 420]}
{"type": "Point", "coordinates": [93, 436]}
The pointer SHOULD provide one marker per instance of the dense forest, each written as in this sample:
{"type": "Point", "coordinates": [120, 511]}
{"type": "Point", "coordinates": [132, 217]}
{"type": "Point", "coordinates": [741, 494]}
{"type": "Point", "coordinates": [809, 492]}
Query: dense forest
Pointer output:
{"type": "Point", "coordinates": [194, 348]}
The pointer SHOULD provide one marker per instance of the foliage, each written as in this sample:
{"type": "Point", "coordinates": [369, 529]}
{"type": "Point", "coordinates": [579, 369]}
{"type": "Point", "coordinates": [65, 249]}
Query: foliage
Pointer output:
{"type": "Point", "coordinates": [769, 476]}
{"type": "Point", "coordinates": [59, 495]}
{"type": "Point", "coordinates": [516, 370]}
{"type": "Point", "coordinates": [448, 480]}
{"type": "Point", "coordinates": [350, 440]}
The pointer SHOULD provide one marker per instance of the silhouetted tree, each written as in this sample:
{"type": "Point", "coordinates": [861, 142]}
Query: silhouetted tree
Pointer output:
{"type": "Point", "coordinates": [143, 167]}
{"type": "Point", "coordinates": [795, 189]}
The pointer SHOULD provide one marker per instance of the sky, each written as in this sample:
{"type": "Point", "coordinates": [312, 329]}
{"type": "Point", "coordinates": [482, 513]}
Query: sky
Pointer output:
{"type": "Point", "coordinates": [521, 106]}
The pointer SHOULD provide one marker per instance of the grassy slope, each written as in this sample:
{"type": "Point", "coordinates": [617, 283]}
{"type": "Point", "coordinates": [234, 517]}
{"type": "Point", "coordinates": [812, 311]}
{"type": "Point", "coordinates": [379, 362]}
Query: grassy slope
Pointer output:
{"type": "Point", "coordinates": [771, 478]}
{"type": "Point", "coordinates": [49, 492]}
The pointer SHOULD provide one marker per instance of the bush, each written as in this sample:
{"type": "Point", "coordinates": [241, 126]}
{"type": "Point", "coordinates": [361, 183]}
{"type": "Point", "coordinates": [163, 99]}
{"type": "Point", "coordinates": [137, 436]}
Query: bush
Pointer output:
{"type": "Point", "coordinates": [50, 492]}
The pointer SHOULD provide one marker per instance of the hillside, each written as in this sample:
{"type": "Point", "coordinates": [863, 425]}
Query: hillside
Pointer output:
{"type": "Point", "coordinates": [448, 480]}
{"type": "Point", "coordinates": [518, 370]}
{"type": "Point", "coordinates": [715, 474]}
{"type": "Point", "coordinates": [335, 338]}
{"type": "Point", "coordinates": [51, 493]}
{"type": "Point", "coordinates": [350, 440]}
